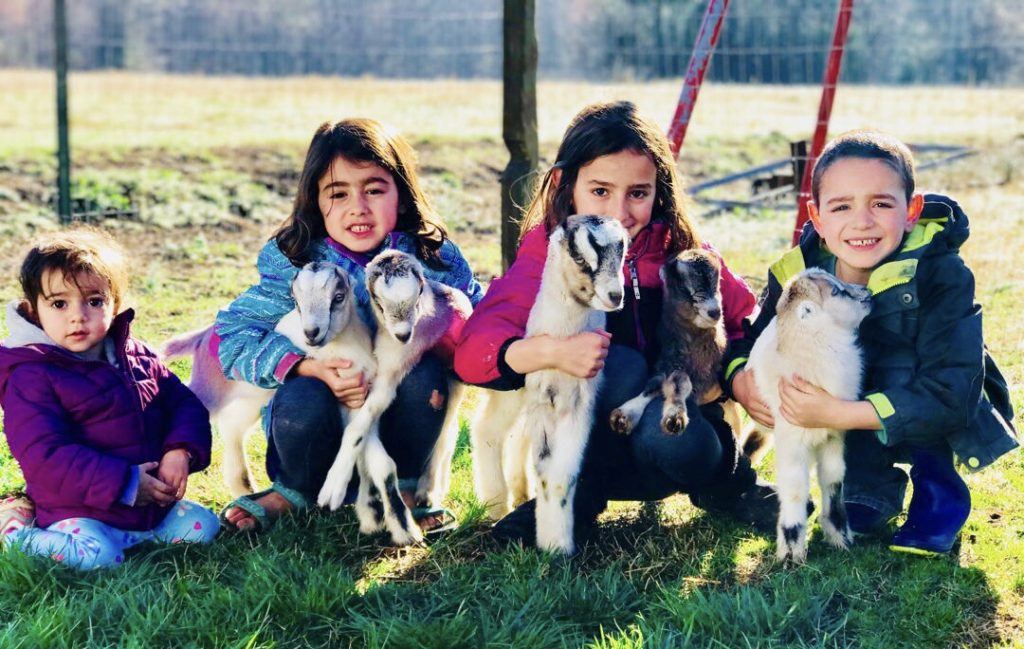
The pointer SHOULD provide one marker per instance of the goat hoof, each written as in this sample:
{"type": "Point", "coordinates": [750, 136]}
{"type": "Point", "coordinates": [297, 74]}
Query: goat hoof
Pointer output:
{"type": "Point", "coordinates": [673, 424]}
{"type": "Point", "coordinates": [621, 423]}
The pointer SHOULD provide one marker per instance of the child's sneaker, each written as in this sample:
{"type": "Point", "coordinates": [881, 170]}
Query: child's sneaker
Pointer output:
{"type": "Point", "coordinates": [939, 507]}
{"type": "Point", "coordinates": [16, 512]}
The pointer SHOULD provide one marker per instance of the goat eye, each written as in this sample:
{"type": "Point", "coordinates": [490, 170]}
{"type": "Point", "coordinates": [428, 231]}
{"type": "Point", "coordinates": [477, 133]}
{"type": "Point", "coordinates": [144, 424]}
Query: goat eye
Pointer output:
{"type": "Point", "coordinates": [338, 298]}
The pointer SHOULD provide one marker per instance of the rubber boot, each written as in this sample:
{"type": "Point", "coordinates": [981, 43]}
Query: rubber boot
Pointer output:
{"type": "Point", "coordinates": [939, 507]}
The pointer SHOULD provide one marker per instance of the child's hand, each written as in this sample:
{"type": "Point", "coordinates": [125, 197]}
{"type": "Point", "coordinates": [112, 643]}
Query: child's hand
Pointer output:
{"type": "Point", "coordinates": [173, 471]}
{"type": "Point", "coordinates": [152, 489]}
{"type": "Point", "coordinates": [745, 390]}
{"type": "Point", "coordinates": [805, 404]}
{"type": "Point", "coordinates": [583, 354]}
{"type": "Point", "coordinates": [351, 391]}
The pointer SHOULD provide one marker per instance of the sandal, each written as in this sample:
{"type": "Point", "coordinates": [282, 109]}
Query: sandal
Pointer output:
{"type": "Point", "coordinates": [448, 520]}
{"type": "Point", "coordinates": [259, 513]}
{"type": "Point", "coordinates": [16, 512]}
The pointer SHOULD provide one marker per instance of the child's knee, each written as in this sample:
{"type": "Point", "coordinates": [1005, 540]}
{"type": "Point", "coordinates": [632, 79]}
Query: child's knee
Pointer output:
{"type": "Point", "coordinates": [192, 523]}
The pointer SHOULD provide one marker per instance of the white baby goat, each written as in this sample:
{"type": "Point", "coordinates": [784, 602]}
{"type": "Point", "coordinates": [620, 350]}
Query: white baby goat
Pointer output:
{"type": "Point", "coordinates": [814, 336]}
{"type": "Point", "coordinates": [413, 314]}
{"type": "Point", "coordinates": [324, 324]}
{"type": "Point", "coordinates": [582, 279]}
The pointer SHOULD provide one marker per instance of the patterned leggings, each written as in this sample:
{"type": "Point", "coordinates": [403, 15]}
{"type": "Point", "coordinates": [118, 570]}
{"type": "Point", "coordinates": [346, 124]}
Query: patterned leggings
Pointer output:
{"type": "Point", "coordinates": [86, 543]}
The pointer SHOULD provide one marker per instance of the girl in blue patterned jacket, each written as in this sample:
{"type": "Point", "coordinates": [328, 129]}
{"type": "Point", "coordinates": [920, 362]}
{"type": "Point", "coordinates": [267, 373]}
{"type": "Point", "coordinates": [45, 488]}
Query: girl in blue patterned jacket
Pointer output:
{"type": "Point", "coordinates": [358, 195]}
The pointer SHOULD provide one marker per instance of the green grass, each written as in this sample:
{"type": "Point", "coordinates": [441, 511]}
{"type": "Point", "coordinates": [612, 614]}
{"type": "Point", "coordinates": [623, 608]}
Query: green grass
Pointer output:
{"type": "Point", "coordinates": [655, 576]}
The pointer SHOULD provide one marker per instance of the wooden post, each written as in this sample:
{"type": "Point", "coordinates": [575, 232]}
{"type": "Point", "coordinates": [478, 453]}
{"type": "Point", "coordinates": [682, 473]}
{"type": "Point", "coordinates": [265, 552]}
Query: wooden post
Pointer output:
{"type": "Point", "coordinates": [63, 150]}
{"type": "Point", "coordinates": [519, 128]}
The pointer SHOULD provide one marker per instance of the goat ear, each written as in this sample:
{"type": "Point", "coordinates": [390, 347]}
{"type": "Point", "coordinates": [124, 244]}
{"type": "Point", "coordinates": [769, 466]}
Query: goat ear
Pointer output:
{"type": "Point", "coordinates": [806, 309]}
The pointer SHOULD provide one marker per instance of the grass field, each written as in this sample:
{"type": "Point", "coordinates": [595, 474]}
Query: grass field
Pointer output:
{"type": "Point", "coordinates": [211, 164]}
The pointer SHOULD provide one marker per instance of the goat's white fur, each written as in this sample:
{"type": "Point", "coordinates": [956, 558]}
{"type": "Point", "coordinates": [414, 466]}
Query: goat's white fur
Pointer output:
{"type": "Point", "coordinates": [814, 336]}
{"type": "Point", "coordinates": [235, 405]}
{"type": "Point", "coordinates": [413, 314]}
{"type": "Point", "coordinates": [557, 407]}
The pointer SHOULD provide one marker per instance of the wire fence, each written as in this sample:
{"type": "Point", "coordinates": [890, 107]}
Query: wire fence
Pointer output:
{"type": "Point", "coordinates": [763, 41]}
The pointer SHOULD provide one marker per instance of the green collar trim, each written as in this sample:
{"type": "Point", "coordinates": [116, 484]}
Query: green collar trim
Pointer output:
{"type": "Point", "coordinates": [789, 265]}
{"type": "Point", "coordinates": [923, 233]}
{"type": "Point", "coordinates": [892, 274]}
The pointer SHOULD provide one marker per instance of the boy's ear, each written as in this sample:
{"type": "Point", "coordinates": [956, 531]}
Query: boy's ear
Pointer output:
{"type": "Point", "coordinates": [914, 211]}
{"type": "Point", "coordinates": [812, 212]}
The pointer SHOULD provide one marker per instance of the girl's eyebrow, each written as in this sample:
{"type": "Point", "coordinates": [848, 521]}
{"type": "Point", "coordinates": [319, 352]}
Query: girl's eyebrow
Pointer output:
{"type": "Point", "coordinates": [343, 184]}
{"type": "Point", "coordinates": [838, 199]}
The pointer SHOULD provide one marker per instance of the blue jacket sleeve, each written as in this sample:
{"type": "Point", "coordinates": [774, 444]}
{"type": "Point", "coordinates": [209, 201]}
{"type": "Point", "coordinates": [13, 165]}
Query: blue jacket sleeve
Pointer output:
{"type": "Point", "coordinates": [459, 275]}
{"type": "Point", "coordinates": [250, 350]}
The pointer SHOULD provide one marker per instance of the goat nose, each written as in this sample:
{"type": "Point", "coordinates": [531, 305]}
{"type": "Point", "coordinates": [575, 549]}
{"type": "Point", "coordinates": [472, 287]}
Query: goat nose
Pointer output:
{"type": "Point", "coordinates": [615, 297]}
{"type": "Point", "coordinates": [404, 337]}
{"type": "Point", "coordinates": [714, 314]}
{"type": "Point", "coordinates": [312, 333]}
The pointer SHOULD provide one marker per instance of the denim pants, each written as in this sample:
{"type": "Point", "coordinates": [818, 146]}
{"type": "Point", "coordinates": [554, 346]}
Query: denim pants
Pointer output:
{"type": "Point", "coordinates": [86, 543]}
{"type": "Point", "coordinates": [648, 464]}
{"type": "Point", "coordinates": [305, 427]}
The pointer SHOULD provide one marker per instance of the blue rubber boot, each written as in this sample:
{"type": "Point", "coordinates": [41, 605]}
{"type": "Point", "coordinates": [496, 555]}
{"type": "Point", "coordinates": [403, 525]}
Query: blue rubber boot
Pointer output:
{"type": "Point", "coordinates": [939, 507]}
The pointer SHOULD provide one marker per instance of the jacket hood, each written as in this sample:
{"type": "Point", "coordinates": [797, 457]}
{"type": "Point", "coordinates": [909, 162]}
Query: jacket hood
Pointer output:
{"type": "Point", "coordinates": [943, 227]}
{"type": "Point", "coordinates": [28, 342]}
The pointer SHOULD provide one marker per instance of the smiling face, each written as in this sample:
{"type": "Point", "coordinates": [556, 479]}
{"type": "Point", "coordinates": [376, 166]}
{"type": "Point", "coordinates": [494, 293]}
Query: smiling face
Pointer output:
{"type": "Point", "coordinates": [359, 203]}
{"type": "Point", "coordinates": [862, 215]}
{"type": "Point", "coordinates": [75, 312]}
{"type": "Point", "coordinates": [620, 185]}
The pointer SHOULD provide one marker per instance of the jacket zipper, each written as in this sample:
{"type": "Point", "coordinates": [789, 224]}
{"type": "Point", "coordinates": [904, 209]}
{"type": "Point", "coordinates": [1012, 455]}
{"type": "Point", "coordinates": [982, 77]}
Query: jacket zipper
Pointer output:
{"type": "Point", "coordinates": [635, 281]}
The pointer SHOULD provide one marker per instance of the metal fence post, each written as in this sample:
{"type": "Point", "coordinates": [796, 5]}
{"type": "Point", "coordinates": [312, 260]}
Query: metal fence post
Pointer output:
{"type": "Point", "coordinates": [63, 150]}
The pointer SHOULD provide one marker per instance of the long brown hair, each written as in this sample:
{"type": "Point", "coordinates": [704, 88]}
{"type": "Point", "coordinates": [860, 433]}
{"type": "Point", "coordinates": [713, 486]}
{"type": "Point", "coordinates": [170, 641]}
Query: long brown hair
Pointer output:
{"type": "Point", "coordinates": [360, 140]}
{"type": "Point", "coordinates": [605, 129]}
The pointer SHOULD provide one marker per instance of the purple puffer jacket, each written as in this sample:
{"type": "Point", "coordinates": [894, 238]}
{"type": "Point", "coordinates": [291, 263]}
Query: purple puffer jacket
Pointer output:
{"type": "Point", "coordinates": [77, 427]}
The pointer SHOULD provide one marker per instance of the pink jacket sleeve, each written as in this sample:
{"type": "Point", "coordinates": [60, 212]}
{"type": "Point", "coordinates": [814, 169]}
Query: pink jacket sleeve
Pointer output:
{"type": "Point", "coordinates": [503, 312]}
{"type": "Point", "coordinates": [737, 300]}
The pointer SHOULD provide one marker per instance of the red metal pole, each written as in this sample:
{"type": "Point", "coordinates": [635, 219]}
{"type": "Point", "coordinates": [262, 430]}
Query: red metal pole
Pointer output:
{"type": "Point", "coordinates": [707, 38]}
{"type": "Point", "coordinates": [828, 93]}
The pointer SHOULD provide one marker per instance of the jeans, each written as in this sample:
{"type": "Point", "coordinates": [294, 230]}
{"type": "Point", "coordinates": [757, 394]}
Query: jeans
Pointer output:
{"type": "Point", "coordinates": [305, 427]}
{"type": "Point", "coordinates": [648, 464]}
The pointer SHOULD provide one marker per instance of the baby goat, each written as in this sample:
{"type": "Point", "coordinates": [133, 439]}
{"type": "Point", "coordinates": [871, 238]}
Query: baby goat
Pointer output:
{"type": "Point", "coordinates": [582, 279]}
{"type": "Point", "coordinates": [814, 336]}
{"type": "Point", "coordinates": [413, 314]}
{"type": "Point", "coordinates": [692, 338]}
{"type": "Point", "coordinates": [324, 324]}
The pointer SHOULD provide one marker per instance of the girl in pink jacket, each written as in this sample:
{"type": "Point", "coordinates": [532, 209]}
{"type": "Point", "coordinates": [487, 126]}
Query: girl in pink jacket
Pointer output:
{"type": "Point", "coordinates": [616, 163]}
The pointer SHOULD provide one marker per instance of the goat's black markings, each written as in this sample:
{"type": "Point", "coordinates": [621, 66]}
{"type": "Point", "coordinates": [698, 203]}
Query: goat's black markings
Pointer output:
{"type": "Point", "coordinates": [395, 498]}
{"type": "Point", "coordinates": [836, 508]}
{"type": "Point", "coordinates": [375, 504]}
{"type": "Point", "coordinates": [545, 450]}
{"type": "Point", "coordinates": [792, 532]}
{"type": "Point", "coordinates": [552, 394]}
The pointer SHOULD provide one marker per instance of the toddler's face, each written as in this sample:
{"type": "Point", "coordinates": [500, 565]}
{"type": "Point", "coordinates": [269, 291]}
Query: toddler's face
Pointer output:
{"type": "Point", "coordinates": [75, 313]}
{"type": "Point", "coordinates": [862, 215]}
{"type": "Point", "coordinates": [359, 202]}
{"type": "Point", "coordinates": [620, 185]}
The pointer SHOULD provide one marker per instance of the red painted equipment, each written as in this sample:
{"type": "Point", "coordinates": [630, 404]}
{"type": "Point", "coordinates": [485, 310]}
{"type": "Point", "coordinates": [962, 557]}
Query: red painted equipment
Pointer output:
{"type": "Point", "coordinates": [707, 38]}
{"type": "Point", "coordinates": [828, 92]}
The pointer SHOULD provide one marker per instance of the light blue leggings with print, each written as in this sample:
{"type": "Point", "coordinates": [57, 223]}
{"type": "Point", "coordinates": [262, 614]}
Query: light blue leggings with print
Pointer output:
{"type": "Point", "coordinates": [86, 543]}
